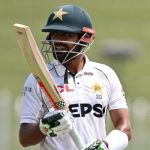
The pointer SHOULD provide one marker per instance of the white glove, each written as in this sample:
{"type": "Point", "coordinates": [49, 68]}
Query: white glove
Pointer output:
{"type": "Point", "coordinates": [56, 122]}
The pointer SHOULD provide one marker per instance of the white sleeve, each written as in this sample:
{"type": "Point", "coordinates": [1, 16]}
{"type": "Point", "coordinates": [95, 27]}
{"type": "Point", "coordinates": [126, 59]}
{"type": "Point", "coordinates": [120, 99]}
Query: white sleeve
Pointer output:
{"type": "Point", "coordinates": [117, 95]}
{"type": "Point", "coordinates": [31, 106]}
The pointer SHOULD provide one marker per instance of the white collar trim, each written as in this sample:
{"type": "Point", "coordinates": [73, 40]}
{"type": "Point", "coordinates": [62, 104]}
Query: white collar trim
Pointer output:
{"type": "Point", "coordinates": [60, 69]}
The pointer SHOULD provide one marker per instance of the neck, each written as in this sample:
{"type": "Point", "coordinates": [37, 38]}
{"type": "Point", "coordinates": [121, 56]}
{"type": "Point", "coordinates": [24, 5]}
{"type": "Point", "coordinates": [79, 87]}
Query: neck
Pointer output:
{"type": "Point", "coordinates": [76, 64]}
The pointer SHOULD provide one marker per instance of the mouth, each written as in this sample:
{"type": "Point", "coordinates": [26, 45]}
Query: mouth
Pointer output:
{"type": "Point", "coordinates": [61, 48]}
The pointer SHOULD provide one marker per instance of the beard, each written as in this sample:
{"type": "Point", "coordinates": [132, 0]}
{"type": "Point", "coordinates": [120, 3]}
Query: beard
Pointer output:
{"type": "Point", "coordinates": [62, 53]}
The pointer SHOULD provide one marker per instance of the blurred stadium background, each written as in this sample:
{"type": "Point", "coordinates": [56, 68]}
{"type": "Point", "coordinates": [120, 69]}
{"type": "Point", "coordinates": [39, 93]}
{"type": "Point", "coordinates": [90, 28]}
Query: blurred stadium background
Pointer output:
{"type": "Point", "coordinates": [122, 42]}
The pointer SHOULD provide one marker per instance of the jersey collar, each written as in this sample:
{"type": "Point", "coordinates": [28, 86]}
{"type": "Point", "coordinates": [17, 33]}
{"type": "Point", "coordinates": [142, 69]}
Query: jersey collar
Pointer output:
{"type": "Point", "coordinates": [60, 69]}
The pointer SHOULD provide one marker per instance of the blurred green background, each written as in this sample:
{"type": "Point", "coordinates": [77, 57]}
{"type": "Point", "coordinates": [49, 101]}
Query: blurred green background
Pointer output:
{"type": "Point", "coordinates": [122, 21]}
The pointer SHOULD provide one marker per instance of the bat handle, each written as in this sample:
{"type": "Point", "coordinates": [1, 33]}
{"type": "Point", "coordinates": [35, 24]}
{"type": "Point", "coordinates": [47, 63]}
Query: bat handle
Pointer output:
{"type": "Point", "coordinates": [76, 138]}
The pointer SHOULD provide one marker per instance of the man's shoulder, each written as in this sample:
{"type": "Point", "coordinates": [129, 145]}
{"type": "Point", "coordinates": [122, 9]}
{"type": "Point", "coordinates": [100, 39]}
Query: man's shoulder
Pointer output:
{"type": "Point", "coordinates": [30, 79]}
{"type": "Point", "coordinates": [100, 66]}
{"type": "Point", "coordinates": [104, 69]}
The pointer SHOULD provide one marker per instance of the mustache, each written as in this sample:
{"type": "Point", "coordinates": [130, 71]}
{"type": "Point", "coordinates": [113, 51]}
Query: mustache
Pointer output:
{"type": "Point", "coordinates": [60, 44]}
{"type": "Point", "coordinates": [60, 47]}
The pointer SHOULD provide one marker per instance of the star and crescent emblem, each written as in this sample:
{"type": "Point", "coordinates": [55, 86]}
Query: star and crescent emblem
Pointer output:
{"type": "Point", "coordinates": [97, 87]}
{"type": "Point", "coordinates": [59, 14]}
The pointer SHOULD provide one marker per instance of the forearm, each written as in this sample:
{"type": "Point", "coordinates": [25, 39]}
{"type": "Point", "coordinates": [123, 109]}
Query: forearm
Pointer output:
{"type": "Point", "coordinates": [118, 138]}
{"type": "Point", "coordinates": [125, 128]}
{"type": "Point", "coordinates": [30, 134]}
{"type": "Point", "coordinates": [121, 121]}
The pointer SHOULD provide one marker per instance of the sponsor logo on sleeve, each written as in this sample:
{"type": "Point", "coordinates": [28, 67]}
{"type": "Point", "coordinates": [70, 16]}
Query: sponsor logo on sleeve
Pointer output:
{"type": "Point", "coordinates": [26, 89]}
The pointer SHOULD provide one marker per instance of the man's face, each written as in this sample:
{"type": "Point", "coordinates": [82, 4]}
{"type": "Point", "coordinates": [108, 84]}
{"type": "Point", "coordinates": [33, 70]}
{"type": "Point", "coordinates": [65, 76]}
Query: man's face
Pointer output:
{"type": "Point", "coordinates": [61, 49]}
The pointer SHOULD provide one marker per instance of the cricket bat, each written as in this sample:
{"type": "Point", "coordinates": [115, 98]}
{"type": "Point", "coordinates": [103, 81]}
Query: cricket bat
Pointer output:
{"type": "Point", "coordinates": [41, 73]}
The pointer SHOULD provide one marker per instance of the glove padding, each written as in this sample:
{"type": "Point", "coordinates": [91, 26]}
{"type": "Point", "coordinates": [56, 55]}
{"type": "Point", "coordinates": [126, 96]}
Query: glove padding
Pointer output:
{"type": "Point", "coordinates": [96, 145]}
{"type": "Point", "coordinates": [56, 122]}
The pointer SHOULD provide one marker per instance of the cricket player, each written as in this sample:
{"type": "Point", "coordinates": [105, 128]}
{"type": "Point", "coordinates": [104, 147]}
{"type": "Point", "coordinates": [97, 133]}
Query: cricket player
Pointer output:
{"type": "Point", "coordinates": [91, 90]}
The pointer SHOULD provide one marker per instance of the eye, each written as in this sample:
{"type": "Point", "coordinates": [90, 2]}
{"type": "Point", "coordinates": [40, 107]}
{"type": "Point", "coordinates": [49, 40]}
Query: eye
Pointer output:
{"type": "Point", "coordinates": [68, 35]}
{"type": "Point", "coordinates": [63, 35]}
{"type": "Point", "coordinates": [54, 34]}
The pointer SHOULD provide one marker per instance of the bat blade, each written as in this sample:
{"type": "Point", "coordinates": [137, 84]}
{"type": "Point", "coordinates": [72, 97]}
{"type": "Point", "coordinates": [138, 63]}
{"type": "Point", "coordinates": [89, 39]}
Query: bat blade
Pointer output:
{"type": "Point", "coordinates": [36, 63]}
{"type": "Point", "coordinates": [41, 73]}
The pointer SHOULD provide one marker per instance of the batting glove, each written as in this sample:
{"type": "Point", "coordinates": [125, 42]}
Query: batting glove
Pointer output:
{"type": "Point", "coordinates": [97, 145]}
{"type": "Point", "coordinates": [56, 123]}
